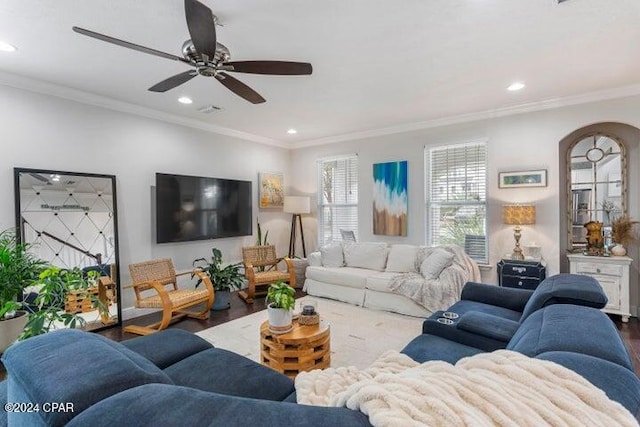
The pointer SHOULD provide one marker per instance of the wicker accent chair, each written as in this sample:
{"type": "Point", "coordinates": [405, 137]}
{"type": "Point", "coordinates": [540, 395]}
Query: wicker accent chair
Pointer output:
{"type": "Point", "coordinates": [261, 268]}
{"type": "Point", "coordinates": [155, 276]}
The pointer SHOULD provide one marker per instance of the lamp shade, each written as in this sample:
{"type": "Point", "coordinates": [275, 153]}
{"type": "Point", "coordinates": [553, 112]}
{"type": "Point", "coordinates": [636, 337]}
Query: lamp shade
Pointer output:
{"type": "Point", "coordinates": [297, 204]}
{"type": "Point", "coordinates": [519, 214]}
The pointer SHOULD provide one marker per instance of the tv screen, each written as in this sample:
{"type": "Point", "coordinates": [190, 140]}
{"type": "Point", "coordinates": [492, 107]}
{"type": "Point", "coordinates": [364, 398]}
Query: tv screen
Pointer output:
{"type": "Point", "coordinates": [198, 208]}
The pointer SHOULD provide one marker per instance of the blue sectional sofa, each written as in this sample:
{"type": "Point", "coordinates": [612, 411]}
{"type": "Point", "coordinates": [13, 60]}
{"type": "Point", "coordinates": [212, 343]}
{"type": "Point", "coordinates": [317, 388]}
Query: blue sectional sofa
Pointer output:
{"type": "Point", "coordinates": [175, 378]}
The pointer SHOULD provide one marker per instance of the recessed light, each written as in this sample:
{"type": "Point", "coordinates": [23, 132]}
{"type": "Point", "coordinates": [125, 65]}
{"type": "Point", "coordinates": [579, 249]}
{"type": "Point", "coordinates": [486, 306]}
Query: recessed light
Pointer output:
{"type": "Point", "coordinates": [185, 100]}
{"type": "Point", "coordinates": [292, 131]}
{"type": "Point", "coordinates": [515, 86]}
{"type": "Point", "coordinates": [6, 47]}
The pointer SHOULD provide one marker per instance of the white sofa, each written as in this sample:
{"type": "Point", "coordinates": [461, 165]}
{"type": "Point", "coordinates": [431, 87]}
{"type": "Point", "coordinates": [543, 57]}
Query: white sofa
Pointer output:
{"type": "Point", "coordinates": [363, 273]}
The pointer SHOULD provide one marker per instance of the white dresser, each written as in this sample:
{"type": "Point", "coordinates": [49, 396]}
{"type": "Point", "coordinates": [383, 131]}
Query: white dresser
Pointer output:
{"type": "Point", "coordinates": [613, 275]}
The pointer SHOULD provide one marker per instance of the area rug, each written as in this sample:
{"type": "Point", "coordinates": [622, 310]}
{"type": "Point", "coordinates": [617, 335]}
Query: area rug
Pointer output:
{"type": "Point", "coordinates": [358, 335]}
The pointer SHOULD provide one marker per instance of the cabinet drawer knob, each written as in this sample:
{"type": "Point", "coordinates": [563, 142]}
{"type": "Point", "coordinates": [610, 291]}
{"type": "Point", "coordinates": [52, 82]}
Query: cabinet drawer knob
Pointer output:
{"type": "Point", "coordinates": [598, 270]}
{"type": "Point", "coordinates": [520, 283]}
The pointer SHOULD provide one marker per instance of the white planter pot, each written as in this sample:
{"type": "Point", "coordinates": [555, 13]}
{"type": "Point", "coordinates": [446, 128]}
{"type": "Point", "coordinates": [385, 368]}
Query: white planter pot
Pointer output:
{"type": "Point", "coordinates": [280, 320]}
{"type": "Point", "coordinates": [10, 329]}
{"type": "Point", "coordinates": [618, 250]}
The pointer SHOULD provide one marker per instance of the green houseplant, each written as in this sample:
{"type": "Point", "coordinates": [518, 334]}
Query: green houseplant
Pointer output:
{"type": "Point", "coordinates": [280, 299]}
{"type": "Point", "coordinates": [225, 279]}
{"type": "Point", "coordinates": [18, 269]}
{"type": "Point", "coordinates": [54, 284]}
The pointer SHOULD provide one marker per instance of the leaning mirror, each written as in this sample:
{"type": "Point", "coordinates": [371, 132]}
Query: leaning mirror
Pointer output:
{"type": "Point", "coordinates": [597, 186]}
{"type": "Point", "coordinates": [70, 219]}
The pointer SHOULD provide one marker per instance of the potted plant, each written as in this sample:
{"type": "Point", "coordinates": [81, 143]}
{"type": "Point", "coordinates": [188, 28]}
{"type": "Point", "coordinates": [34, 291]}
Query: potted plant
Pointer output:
{"type": "Point", "coordinates": [50, 311]}
{"type": "Point", "coordinates": [224, 279]}
{"type": "Point", "coordinates": [18, 269]}
{"type": "Point", "coordinates": [280, 299]}
{"type": "Point", "coordinates": [623, 232]}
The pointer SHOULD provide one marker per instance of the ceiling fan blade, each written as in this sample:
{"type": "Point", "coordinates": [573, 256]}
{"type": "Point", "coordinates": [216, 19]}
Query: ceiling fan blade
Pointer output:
{"type": "Point", "coordinates": [173, 81]}
{"type": "Point", "coordinates": [202, 27]}
{"type": "Point", "coordinates": [239, 88]}
{"type": "Point", "coordinates": [129, 45]}
{"type": "Point", "coordinates": [285, 68]}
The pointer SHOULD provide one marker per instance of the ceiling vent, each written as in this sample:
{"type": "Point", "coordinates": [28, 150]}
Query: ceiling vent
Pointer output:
{"type": "Point", "coordinates": [208, 109]}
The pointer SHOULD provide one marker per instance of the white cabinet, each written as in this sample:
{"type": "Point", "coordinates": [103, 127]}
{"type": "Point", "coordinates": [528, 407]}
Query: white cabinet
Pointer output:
{"type": "Point", "coordinates": [613, 275]}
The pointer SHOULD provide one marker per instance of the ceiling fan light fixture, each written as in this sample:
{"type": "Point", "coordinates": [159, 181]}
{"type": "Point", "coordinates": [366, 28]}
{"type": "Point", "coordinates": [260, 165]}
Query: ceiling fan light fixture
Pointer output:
{"type": "Point", "coordinates": [6, 47]}
{"type": "Point", "coordinates": [516, 86]}
{"type": "Point", "coordinates": [292, 131]}
{"type": "Point", "coordinates": [185, 100]}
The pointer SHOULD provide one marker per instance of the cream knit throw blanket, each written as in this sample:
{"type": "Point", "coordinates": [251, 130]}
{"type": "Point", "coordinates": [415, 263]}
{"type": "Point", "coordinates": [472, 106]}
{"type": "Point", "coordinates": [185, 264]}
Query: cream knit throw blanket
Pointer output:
{"type": "Point", "coordinates": [501, 388]}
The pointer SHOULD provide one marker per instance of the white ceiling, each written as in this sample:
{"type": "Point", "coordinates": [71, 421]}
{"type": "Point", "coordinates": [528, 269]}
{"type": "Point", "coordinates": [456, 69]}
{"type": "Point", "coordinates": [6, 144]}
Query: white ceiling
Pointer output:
{"type": "Point", "coordinates": [376, 63]}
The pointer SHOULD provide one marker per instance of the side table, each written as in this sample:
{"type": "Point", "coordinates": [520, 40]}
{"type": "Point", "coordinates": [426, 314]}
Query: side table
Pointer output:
{"type": "Point", "coordinates": [305, 348]}
{"type": "Point", "coordinates": [521, 274]}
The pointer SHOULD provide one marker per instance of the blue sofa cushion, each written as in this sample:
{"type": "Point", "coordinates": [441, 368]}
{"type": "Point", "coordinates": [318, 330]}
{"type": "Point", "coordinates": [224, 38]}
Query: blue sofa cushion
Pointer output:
{"type": "Point", "coordinates": [488, 325]}
{"type": "Point", "coordinates": [512, 299]}
{"type": "Point", "coordinates": [617, 382]}
{"type": "Point", "coordinates": [426, 347]}
{"type": "Point", "coordinates": [69, 365]}
{"type": "Point", "coordinates": [230, 373]}
{"type": "Point", "coordinates": [463, 306]}
{"type": "Point", "coordinates": [170, 405]}
{"type": "Point", "coordinates": [574, 328]}
{"type": "Point", "coordinates": [566, 288]}
{"type": "Point", "coordinates": [167, 347]}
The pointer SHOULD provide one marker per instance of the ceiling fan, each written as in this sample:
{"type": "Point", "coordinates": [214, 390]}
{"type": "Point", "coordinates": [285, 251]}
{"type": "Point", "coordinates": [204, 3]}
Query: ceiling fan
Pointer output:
{"type": "Point", "coordinates": [208, 57]}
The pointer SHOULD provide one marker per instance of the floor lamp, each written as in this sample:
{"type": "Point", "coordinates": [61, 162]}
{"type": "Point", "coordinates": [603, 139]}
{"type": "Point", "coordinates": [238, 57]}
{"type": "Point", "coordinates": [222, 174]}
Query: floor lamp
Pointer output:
{"type": "Point", "coordinates": [296, 205]}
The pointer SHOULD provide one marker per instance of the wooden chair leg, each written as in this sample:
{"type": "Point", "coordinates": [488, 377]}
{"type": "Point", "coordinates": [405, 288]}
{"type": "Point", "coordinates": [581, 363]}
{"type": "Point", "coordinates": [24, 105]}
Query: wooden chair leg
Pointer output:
{"type": "Point", "coordinates": [249, 294]}
{"type": "Point", "coordinates": [167, 319]}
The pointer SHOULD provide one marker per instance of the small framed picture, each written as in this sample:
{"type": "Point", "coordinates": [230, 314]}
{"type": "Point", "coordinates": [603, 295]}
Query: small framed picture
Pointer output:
{"type": "Point", "coordinates": [533, 178]}
{"type": "Point", "coordinates": [271, 190]}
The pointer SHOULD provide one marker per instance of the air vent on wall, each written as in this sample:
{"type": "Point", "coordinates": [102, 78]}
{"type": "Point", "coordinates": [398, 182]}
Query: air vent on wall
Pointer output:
{"type": "Point", "coordinates": [208, 109]}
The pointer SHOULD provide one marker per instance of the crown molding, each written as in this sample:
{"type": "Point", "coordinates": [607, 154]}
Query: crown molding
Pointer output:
{"type": "Point", "coordinates": [46, 88]}
{"type": "Point", "coordinates": [547, 104]}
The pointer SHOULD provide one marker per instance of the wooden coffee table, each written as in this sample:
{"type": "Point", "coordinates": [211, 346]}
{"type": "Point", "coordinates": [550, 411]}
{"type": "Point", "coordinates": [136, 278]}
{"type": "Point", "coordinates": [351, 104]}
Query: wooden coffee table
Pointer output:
{"type": "Point", "coordinates": [305, 348]}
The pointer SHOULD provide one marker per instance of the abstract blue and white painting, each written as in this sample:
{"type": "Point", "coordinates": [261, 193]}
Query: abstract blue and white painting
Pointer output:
{"type": "Point", "coordinates": [390, 202]}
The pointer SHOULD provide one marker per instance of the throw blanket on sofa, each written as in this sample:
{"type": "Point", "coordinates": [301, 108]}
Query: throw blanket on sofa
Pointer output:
{"type": "Point", "coordinates": [444, 291]}
{"type": "Point", "coordinates": [500, 388]}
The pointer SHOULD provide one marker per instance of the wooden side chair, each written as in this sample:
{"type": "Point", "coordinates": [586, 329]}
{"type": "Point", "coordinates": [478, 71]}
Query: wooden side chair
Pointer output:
{"type": "Point", "coordinates": [261, 268]}
{"type": "Point", "coordinates": [155, 276]}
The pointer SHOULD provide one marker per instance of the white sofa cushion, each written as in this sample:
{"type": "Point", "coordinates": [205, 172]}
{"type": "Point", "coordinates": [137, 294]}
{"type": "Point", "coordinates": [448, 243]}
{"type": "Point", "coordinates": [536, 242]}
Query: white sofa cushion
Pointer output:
{"type": "Point", "coordinates": [402, 259]}
{"type": "Point", "coordinates": [368, 255]}
{"type": "Point", "coordinates": [435, 262]}
{"type": "Point", "coordinates": [331, 255]}
{"type": "Point", "coordinates": [315, 258]}
{"type": "Point", "coordinates": [345, 276]}
{"type": "Point", "coordinates": [380, 281]}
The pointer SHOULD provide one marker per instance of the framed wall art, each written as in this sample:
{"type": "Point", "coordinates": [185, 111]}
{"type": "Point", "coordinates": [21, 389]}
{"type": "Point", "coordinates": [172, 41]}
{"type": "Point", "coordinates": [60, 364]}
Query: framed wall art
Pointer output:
{"type": "Point", "coordinates": [271, 190]}
{"type": "Point", "coordinates": [532, 178]}
{"type": "Point", "coordinates": [390, 198]}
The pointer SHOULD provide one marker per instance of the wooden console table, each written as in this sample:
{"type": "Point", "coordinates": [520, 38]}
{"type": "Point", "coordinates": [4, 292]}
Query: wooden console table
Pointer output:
{"type": "Point", "coordinates": [305, 348]}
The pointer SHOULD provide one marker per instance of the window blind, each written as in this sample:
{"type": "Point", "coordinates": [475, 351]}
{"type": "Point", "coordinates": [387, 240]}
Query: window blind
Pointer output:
{"type": "Point", "coordinates": [456, 208]}
{"type": "Point", "coordinates": [337, 197]}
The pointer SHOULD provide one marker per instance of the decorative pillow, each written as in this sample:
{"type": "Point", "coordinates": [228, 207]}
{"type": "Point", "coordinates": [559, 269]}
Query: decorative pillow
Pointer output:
{"type": "Point", "coordinates": [366, 255]}
{"type": "Point", "coordinates": [331, 255]}
{"type": "Point", "coordinates": [433, 264]}
{"type": "Point", "coordinates": [402, 259]}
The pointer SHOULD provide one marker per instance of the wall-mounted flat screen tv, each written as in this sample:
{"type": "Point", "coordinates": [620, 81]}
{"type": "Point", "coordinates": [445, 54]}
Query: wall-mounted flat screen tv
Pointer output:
{"type": "Point", "coordinates": [199, 208]}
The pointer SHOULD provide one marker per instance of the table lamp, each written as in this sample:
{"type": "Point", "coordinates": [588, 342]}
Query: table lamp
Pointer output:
{"type": "Point", "coordinates": [518, 215]}
{"type": "Point", "coordinates": [296, 205]}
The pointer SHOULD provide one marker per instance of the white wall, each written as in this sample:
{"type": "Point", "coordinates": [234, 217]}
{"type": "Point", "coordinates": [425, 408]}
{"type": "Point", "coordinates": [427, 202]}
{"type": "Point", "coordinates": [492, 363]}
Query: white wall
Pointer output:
{"type": "Point", "coordinates": [519, 142]}
{"type": "Point", "coordinates": [40, 131]}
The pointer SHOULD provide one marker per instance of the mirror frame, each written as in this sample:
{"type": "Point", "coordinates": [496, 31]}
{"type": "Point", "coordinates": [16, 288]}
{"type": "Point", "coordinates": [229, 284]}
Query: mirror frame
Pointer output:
{"type": "Point", "coordinates": [20, 231]}
{"type": "Point", "coordinates": [623, 176]}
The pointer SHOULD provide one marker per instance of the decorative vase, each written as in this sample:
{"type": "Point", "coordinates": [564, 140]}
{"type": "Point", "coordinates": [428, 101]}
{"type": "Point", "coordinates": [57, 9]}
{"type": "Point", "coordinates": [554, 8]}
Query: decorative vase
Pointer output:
{"type": "Point", "coordinates": [618, 250]}
{"type": "Point", "coordinates": [280, 320]}
{"type": "Point", "coordinates": [222, 301]}
{"type": "Point", "coordinates": [10, 329]}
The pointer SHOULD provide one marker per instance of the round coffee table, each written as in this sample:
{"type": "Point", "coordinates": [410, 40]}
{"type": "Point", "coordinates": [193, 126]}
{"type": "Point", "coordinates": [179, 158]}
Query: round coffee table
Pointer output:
{"type": "Point", "coordinates": [305, 348]}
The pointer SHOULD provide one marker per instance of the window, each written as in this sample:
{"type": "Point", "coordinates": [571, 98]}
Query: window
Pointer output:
{"type": "Point", "coordinates": [337, 197]}
{"type": "Point", "coordinates": [456, 209]}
